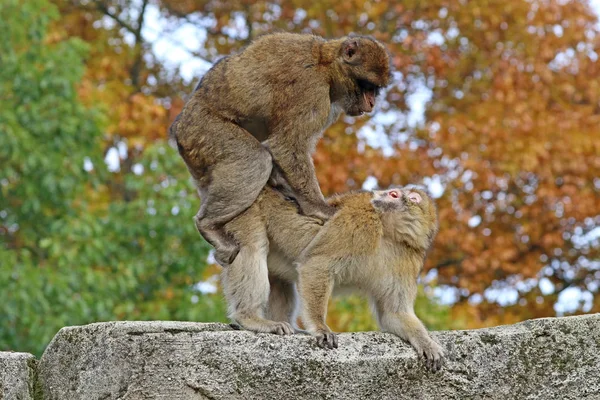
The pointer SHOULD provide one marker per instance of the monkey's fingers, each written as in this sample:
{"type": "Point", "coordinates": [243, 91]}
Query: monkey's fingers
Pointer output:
{"type": "Point", "coordinates": [434, 358]}
{"type": "Point", "coordinates": [327, 340]}
{"type": "Point", "coordinates": [318, 221]}
{"type": "Point", "coordinates": [282, 328]}
{"type": "Point", "coordinates": [437, 364]}
{"type": "Point", "coordinates": [285, 329]}
{"type": "Point", "coordinates": [334, 340]}
{"type": "Point", "coordinates": [322, 211]}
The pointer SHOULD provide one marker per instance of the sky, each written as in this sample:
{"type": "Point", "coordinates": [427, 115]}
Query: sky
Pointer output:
{"type": "Point", "coordinates": [175, 50]}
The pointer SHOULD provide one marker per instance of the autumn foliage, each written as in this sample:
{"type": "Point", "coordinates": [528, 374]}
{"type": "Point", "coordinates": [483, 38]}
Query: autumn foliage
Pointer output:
{"type": "Point", "coordinates": [495, 107]}
{"type": "Point", "coordinates": [510, 131]}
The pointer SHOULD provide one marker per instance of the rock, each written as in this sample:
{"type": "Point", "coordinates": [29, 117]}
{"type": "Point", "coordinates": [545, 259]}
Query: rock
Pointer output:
{"type": "Point", "coordinates": [17, 376]}
{"type": "Point", "coordinates": [538, 359]}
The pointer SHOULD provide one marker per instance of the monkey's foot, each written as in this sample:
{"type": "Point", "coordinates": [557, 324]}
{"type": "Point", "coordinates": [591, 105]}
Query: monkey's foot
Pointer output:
{"type": "Point", "coordinates": [261, 325]}
{"type": "Point", "coordinates": [282, 328]}
{"type": "Point", "coordinates": [226, 256]}
{"type": "Point", "coordinates": [276, 327]}
{"type": "Point", "coordinates": [432, 354]}
{"type": "Point", "coordinates": [326, 339]}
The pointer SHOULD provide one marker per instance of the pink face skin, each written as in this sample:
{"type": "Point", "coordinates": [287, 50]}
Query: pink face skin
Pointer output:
{"type": "Point", "coordinates": [394, 199]}
{"type": "Point", "coordinates": [412, 196]}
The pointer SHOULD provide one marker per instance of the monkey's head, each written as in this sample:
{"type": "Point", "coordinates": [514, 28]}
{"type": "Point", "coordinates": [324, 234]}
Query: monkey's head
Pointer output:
{"type": "Point", "coordinates": [409, 215]}
{"type": "Point", "coordinates": [366, 65]}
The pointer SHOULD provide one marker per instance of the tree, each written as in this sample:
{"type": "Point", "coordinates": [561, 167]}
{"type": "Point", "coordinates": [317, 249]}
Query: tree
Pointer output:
{"type": "Point", "coordinates": [127, 72]}
{"type": "Point", "coordinates": [71, 253]}
{"type": "Point", "coordinates": [509, 132]}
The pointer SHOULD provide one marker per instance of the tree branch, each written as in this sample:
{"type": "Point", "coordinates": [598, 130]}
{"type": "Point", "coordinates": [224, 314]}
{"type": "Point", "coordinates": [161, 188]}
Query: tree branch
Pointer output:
{"type": "Point", "coordinates": [449, 262]}
{"type": "Point", "coordinates": [104, 10]}
{"type": "Point", "coordinates": [137, 64]}
{"type": "Point", "coordinates": [569, 284]}
{"type": "Point", "coordinates": [140, 21]}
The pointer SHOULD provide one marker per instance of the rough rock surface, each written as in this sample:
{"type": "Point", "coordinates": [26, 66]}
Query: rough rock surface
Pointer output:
{"type": "Point", "coordinates": [538, 359]}
{"type": "Point", "coordinates": [17, 376]}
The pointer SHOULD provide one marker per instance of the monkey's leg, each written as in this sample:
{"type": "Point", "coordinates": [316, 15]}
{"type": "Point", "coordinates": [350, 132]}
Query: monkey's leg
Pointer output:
{"type": "Point", "coordinates": [297, 169]}
{"type": "Point", "coordinates": [316, 284]}
{"type": "Point", "coordinates": [226, 249]}
{"type": "Point", "coordinates": [396, 315]}
{"type": "Point", "coordinates": [234, 184]}
{"type": "Point", "coordinates": [246, 285]}
{"type": "Point", "coordinates": [283, 301]}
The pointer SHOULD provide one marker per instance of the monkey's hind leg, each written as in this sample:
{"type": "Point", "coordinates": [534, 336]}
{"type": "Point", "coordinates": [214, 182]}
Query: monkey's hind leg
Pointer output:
{"type": "Point", "coordinates": [226, 248]}
{"type": "Point", "coordinates": [234, 185]}
{"type": "Point", "coordinates": [283, 301]}
{"type": "Point", "coordinates": [246, 281]}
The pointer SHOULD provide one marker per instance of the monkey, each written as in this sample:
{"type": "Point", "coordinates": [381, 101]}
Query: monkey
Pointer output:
{"type": "Point", "coordinates": [265, 108]}
{"type": "Point", "coordinates": [375, 242]}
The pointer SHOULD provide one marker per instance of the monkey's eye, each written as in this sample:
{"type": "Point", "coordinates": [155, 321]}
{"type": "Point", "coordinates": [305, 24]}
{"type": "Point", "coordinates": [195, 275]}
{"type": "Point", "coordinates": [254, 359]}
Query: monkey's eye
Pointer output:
{"type": "Point", "coordinates": [394, 194]}
{"type": "Point", "coordinates": [414, 197]}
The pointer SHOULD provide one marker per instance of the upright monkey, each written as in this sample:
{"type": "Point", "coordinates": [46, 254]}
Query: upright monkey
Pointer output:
{"type": "Point", "coordinates": [269, 105]}
{"type": "Point", "coordinates": [376, 243]}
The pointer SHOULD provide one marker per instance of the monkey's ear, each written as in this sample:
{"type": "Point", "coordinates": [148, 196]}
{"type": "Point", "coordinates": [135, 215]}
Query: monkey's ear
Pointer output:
{"type": "Point", "coordinates": [350, 51]}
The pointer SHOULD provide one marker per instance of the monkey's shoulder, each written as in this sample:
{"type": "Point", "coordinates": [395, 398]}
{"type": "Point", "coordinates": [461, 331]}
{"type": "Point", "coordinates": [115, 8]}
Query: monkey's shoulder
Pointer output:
{"type": "Point", "coordinates": [355, 209]}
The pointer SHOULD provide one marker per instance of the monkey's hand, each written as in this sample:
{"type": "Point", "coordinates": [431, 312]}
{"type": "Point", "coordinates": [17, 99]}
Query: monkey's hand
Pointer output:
{"type": "Point", "coordinates": [326, 339]}
{"type": "Point", "coordinates": [432, 353]}
{"type": "Point", "coordinates": [321, 211]}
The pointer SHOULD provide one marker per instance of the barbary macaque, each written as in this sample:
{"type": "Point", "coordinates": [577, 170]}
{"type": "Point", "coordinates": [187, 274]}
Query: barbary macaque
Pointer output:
{"type": "Point", "coordinates": [375, 243]}
{"type": "Point", "coordinates": [269, 105]}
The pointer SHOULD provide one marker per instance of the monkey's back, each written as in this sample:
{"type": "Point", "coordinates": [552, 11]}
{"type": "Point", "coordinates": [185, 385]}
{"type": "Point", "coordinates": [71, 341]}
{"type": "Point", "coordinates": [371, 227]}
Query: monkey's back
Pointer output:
{"type": "Point", "coordinates": [243, 85]}
{"type": "Point", "coordinates": [274, 81]}
{"type": "Point", "coordinates": [355, 229]}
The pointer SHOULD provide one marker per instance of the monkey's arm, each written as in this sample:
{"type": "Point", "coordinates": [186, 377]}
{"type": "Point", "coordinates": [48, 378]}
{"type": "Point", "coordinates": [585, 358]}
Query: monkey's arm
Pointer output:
{"type": "Point", "coordinates": [297, 179]}
{"type": "Point", "coordinates": [292, 140]}
{"type": "Point", "coordinates": [395, 314]}
{"type": "Point", "coordinates": [315, 286]}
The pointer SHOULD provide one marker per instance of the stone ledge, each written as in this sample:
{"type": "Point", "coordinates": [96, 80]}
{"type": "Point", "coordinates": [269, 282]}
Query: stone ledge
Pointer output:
{"type": "Point", "coordinates": [17, 375]}
{"type": "Point", "coordinates": [537, 359]}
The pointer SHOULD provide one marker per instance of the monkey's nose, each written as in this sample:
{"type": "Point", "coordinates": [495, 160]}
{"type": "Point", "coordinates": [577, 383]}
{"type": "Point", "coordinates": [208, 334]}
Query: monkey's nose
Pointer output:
{"type": "Point", "coordinates": [369, 102]}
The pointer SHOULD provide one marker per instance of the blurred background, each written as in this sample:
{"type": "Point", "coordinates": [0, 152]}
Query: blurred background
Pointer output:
{"type": "Point", "coordinates": [495, 107]}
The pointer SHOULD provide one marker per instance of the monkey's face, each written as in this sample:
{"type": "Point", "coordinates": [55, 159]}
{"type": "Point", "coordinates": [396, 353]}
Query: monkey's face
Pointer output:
{"type": "Point", "coordinates": [367, 66]}
{"type": "Point", "coordinates": [399, 199]}
{"type": "Point", "coordinates": [363, 98]}
{"type": "Point", "coordinates": [408, 214]}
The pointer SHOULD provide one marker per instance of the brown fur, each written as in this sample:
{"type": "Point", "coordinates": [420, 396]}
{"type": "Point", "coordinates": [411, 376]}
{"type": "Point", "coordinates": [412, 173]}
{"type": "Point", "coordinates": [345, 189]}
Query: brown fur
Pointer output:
{"type": "Point", "coordinates": [271, 103]}
{"type": "Point", "coordinates": [374, 243]}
